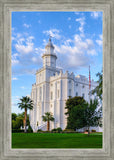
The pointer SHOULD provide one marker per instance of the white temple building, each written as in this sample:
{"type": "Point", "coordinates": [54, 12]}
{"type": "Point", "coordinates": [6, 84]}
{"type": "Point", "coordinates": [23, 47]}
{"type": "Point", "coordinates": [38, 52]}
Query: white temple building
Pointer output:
{"type": "Point", "coordinates": [52, 89]}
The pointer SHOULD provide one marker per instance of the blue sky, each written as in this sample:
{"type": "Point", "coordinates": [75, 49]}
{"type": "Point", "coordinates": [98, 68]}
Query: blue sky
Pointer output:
{"type": "Point", "coordinates": [77, 37]}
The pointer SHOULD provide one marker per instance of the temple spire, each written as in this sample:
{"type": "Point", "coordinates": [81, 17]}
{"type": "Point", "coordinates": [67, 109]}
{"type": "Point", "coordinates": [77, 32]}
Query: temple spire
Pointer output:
{"type": "Point", "coordinates": [50, 37]}
{"type": "Point", "coordinates": [49, 56]}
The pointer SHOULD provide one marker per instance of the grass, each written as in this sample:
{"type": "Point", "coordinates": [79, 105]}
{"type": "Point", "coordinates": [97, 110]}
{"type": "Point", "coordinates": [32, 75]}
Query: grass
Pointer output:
{"type": "Point", "coordinates": [56, 140]}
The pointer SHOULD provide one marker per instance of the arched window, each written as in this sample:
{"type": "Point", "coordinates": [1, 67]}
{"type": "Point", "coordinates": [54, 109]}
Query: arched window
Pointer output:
{"type": "Point", "coordinates": [51, 95]}
{"type": "Point", "coordinates": [83, 95]}
{"type": "Point", "coordinates": [76, 94]}
{"type": "Point", "coordinates": [69, 92]}
{"type": "Point", "coordinates": [83, 86]}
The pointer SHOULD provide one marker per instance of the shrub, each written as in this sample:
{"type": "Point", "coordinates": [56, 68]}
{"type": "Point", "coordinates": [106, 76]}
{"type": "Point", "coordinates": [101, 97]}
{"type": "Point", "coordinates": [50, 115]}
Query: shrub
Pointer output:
{"type": "Point", "coordinates": [46, 131]}
{"type": "Point", "coordinates": [59, 130]}
{"type": "Point", "coordinates": [69, 131]}
{"type": "Point", "coordinates": [39, 130]}
{"type": "Point", "coordinates": [17, 130]}
{"type": "Point", "coordinates": [30, 130]}
{"type": "Point", "coordinates": [54, 130]}
{"type": "Point", "coordinates": [93, 130]}
{"type": "Point", "coordinates": [86, 130]}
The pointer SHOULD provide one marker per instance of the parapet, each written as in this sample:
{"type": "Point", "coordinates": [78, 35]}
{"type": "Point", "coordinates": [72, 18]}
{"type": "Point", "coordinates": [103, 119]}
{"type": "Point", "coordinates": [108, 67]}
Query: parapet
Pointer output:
{"type": "Point", "coordinates": [63, 75]}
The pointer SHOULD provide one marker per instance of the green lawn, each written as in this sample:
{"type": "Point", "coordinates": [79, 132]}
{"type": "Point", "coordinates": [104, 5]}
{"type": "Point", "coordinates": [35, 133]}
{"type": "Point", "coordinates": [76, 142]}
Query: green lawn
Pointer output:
{"type": "Point", "coordinates": [56, 140]}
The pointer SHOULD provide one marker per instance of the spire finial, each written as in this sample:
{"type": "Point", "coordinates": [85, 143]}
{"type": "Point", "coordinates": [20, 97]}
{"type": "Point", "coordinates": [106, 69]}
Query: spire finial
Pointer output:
{"type": "Point", "coordinates": [50, 37]}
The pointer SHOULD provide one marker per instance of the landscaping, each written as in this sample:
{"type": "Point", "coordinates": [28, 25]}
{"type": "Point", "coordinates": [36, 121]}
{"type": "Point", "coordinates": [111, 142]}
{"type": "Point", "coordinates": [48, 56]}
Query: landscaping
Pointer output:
{"type": "Point", "coordinates": [56, 140]}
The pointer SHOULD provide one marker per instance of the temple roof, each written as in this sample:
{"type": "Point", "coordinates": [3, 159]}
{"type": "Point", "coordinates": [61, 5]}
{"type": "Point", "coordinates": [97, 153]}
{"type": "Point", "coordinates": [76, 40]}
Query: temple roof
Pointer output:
{"type": "Point", "coordinates": [49, 44]}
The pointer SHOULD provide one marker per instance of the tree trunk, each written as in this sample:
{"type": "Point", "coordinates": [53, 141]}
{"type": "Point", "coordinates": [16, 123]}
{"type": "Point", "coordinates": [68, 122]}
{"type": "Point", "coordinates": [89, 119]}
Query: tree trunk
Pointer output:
{"type": "Point", "coordinates": [25, 120]}
{"type": "Point", "coordinates": [48, 126]}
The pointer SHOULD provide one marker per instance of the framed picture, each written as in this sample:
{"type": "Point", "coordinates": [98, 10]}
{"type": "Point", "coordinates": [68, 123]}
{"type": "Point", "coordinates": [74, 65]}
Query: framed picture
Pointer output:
{"type": "Point", "coordinates": [7, 10]}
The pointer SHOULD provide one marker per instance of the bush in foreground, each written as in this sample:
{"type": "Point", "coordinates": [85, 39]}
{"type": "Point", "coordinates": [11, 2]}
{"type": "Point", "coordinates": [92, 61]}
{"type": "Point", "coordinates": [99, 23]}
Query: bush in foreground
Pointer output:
{"type": "Point", "coordinates": [17, 130]}
{"type": "Point", "coordinates": [56, 130]}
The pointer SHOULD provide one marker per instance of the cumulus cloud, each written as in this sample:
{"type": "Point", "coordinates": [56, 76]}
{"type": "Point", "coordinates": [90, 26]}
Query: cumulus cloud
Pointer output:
{"type": "Point", "coordinates": [70, 26]}
{"type": "Point", "coordinates": [96, 14]}
{"type": "Point", "coordinates": [75, 52]}
{"type": "Point", "coordinates": [77, 13]}
{"type": "Point", "coordinates": [82, 23]}
{"type": "Point", "coordinates": [69, 18]}
{"type": "Point", "coordinates": [22, 87]}
{"type": "Point", "coordinates": [26, 25]}
{"type": "Point", "coordinates": [100, 40]}
{"type": "Point", "coordinates": [15, 61]}
{"type": "Point", "coordinates": [54, 33]}
{"type": "Point", "coordinates": [26, 55]}
{"type": "Point", "coordinates": [14, 78]}
{"type": "Point", "coordinates": [12, 38]}
{"type": "Point", "coordinates": [25, 45]}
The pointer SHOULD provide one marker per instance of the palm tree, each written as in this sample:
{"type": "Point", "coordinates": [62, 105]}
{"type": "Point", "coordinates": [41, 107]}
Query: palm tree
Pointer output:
{"type": "Point", "coordinates": [26, 103]}
{"type": "Point", "coordinates": [47, 118]}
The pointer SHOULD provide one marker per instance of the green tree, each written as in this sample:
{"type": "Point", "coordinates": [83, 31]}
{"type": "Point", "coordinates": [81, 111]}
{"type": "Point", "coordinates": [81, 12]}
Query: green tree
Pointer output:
{"type": "Point", "coordinates": [47, 118]}
{"type": "Point", "coordinates": [82, 114]}
{"type": "Point", "coordinates": [14, 115]}
{"type": "Point", "coordinates": [19, 120]}
{"type": "Point", "coordinates": [75, 112]}
{"type": "Point", "coordinates": [92, 114]}
{"type": "Point", "coordinates": [26, 103]}
{"type": "Point", "coordinates": [16, 124]}
{"type": "Point", "coordinates": [98, 90]}
{"type": "Point", "coordinates": [22, 116]}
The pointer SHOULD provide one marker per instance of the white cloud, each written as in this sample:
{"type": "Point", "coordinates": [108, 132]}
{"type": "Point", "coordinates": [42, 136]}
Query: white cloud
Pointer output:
{"type": "Point", "coordinates": [44, 42]}
{"type": "Point", "coordinates": [101, 36]}
{"type": "Point", "coordinates": [26, 25]}
{"type": "Point", "coordinates": [13, 29]}
{"type": "Point", "coordinates": [14, 78]}
{"type": "Point", "coordinates": [34, 59]}
{"type": "Point", "coordinates": [77, 13]}
{"type": "Point", "coordinates": [82, 23]}
{"type": "Point", "coordinates": [19, 35]}
{"type": "Point", "coordinates": [14, 104]}
{"type": "Point", "coordinates": [69, 18]}
{"type": "Point", "coordinates": [99, 41]}
{"type": "Point", "coordinates": [25, 46]}
{"type": "Point", "coordinates": [27, 55]}
{"type": "Point", "coordinates": [53, 32]}
{"type": "Point", "coordinates": [70, 26]}
{"type": "Point", "coordinates": [12, 38]}
{"type": "Point", "coordinates": [76, 52]}
{"type": "Point", "coordinates": [68, 42]}
{"type": "Point", "coordinates": [15, 97]}
{"type": "Point", "coordinates": [15, 61]}
{"type": "Point", "coordinates": [39, 21]}
{"type": "Point", "coordinates": [96, 14]}
{"type": "Point", "coordinates": [22, 87]}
